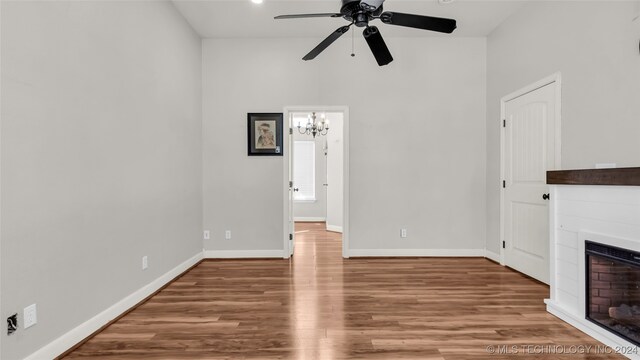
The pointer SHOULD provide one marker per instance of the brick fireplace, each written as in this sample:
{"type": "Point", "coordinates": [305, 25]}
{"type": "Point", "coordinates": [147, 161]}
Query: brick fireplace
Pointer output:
{"type": "Point", "coordinates": [613, 289]}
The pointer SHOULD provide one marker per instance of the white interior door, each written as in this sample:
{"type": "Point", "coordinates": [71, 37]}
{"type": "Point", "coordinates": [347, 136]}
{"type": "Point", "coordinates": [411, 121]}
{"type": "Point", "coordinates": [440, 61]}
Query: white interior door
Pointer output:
{"type": "Point", "coordinates": [529, 152]}
{"type": "Point", "coordinates": [335, 176]}
{"type": "Point", "coordinates": [292, 224]}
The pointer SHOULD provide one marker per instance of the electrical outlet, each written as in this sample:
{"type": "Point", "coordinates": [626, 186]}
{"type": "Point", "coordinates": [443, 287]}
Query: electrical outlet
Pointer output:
{"type": "Point", "coordinates": [227, 235]}
{"type": "Point", "coordinates": [145, 262]}
{"type": "Point", "coordinates": [12, 324]}
{"type": "Point", "coordinates": [207, 235]}
{"type": "Point", "coordinates": [403, 233]}
{"type": "Point", "coordinates": [30, 316]}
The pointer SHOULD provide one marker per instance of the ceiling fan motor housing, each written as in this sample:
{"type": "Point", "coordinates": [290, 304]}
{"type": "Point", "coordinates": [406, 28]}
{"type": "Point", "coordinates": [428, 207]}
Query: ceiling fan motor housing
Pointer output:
{"type": "Point", "coordinates": [360, 12]}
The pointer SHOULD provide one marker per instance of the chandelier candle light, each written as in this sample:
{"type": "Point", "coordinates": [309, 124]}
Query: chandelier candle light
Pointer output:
{"type": "Point", "coordinates": [313, 127]}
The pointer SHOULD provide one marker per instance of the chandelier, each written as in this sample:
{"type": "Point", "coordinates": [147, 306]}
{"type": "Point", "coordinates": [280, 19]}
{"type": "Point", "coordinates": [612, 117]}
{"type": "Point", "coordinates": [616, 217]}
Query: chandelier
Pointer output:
{"type": "Point", "coordinates": [313, 127]}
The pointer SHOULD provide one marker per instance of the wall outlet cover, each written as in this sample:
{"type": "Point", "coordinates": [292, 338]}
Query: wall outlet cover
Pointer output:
{"type": "Point", "coordinates": [145, 262]}
{"type": "Point", "coordinates": [403, 233]}
{"type": "Point", "coordinates": [206, 234]}
{"type": "Point", "coordinates": [227, 235]}
{"type": "Point", "coordinates": [30, 316]}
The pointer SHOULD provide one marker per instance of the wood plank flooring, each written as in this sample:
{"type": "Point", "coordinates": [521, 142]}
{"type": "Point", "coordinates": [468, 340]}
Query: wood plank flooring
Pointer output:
{"type": "Point", "coordinates": [320, 306]}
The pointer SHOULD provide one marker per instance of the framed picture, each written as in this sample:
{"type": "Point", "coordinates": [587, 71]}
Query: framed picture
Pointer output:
{"type": "Point", "coordinates": [264, 134]}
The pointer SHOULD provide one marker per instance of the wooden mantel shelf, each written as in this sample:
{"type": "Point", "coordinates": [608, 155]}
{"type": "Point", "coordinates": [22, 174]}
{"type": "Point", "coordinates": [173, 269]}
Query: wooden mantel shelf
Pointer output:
{"type": "Point", "coordinates": [615, 176]}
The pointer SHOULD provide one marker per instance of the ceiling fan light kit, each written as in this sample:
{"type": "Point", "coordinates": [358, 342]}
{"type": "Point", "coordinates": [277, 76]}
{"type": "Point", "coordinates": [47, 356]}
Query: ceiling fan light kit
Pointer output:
{"type": "Point", "coordinates": [361, 12]}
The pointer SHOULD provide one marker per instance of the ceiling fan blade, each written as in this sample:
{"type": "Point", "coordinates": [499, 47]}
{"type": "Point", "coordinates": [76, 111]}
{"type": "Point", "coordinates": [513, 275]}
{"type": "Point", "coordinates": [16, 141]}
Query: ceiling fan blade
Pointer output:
{"type": "Point", "coordinates": [377, 45]}
{"type": "Point", "coordinates": [326, 42]}
{"type": "Point", "coordinates": [419, 21]}
{"type": "Point", "coordinates": [302, 16]}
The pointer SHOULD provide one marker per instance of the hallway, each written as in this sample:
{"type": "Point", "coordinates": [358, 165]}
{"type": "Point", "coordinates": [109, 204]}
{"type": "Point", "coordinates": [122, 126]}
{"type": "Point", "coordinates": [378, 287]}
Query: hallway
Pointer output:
{"type": "Point", "coordinates": [320, 306]}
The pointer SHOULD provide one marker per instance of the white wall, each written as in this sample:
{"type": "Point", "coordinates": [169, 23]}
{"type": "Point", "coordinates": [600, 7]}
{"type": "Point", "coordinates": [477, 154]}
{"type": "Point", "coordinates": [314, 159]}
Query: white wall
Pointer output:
{"type": "Point", "coordinates": [417, 139]}
{"type": "Point", "coordinates": [244, 193]}
{"type": "Point", "coordinates": [309, 210]}
{"type": "Point", "coordinates": [594, 44]}
{"type": "Point", "coordinates": [101, 157]}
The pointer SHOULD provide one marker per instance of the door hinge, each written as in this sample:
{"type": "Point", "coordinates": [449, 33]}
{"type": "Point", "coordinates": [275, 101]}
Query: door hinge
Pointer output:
{"type": "Point", "coordinates": [290, 131]}
{"type": "Point", "coordinates": [504, 123]}
{"type": "Point", "coordinates": [504, 244]}
{"type": "Point", "coordinates": [290, 236]}
{"type": "Point", "coordinates": [504, 184]}
{"type": "Point", "coordinates": [290, 184]}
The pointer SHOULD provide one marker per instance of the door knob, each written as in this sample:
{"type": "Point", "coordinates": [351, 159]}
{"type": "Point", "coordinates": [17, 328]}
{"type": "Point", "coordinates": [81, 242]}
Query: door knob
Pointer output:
{"type": "Point", "coordinates": [545, 196]}
{"type": "Point", "coordinates": [295, 189]}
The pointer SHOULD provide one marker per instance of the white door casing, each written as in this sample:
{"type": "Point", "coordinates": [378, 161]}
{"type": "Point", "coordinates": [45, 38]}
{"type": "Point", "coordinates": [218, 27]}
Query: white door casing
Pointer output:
{"type": "Point", "coordinates": [530, 147]}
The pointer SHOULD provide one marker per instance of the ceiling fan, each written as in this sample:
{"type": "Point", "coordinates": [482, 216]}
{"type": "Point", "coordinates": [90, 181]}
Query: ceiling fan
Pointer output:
{"type": "Point", "coordinates": [360, 12]}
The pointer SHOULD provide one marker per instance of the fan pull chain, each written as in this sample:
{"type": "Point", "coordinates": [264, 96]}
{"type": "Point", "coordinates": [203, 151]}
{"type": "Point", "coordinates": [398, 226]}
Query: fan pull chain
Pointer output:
{"type": "Point", "coordinates": [353, 53]}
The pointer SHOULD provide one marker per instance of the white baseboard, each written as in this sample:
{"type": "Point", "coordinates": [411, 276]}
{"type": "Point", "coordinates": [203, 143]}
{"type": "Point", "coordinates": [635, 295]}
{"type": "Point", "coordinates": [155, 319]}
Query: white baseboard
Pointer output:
{"type": "Point", "coordinates": [79, 333]}
{"type": "Point", "coordinates": [334, 228]}
{"type": "Point", "coordinates": [309, 219]}
{"type": "Point", "coordinates": [492, 256]}
{"type": "Point", "coordinates": [418, 252]}
{"type": "Point", "coordinates": [596, 332]}
{"type": "Point", "coordinates": [242, 254]}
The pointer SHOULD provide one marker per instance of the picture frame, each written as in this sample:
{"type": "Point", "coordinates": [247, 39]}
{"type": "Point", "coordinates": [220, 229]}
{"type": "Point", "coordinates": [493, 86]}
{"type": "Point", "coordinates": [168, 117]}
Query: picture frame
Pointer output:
{"type": "Point", "coordinates": [264, 134]}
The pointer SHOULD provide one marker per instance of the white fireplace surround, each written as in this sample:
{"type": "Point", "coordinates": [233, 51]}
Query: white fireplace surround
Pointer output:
{"type": "Point", "coordinates": [605, 214]}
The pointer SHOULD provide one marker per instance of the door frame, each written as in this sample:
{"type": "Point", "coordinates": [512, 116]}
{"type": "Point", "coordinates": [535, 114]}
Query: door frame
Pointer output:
{"type": "Point", "coordinates": [345, 172]}
{"type": "Point", "coordinates": [557, 79]}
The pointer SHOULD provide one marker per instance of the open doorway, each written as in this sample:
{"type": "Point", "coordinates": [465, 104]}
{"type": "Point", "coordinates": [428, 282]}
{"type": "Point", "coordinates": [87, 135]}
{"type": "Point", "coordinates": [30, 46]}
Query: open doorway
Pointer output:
{"type": "Point", "coordinates": [315, 176]}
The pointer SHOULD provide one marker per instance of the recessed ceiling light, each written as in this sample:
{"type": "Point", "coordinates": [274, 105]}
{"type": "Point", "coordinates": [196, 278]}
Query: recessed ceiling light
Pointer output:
{"type": "Point", "coordinates": [257, 1]}
{"type": "Point", "coordinates": [445, 1]}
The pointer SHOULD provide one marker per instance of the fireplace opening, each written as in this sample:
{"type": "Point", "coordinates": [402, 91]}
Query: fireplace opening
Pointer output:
{"type": "Point", "coordinates": [613, 289]}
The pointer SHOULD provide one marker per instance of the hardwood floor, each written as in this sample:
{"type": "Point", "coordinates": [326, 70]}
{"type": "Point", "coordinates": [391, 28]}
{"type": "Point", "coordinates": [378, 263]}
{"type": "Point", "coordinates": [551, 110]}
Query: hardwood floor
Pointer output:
{"type": "Point", "coordinates": [320, 306]}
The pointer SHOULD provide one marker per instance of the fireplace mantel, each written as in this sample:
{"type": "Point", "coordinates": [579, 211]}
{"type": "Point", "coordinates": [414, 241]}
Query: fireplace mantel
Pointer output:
{"type": "Point", "coordinates": [615, 176]}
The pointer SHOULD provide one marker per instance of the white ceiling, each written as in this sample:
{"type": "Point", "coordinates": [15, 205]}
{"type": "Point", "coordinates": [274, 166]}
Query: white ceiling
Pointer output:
{"type": "Point", "coordinates": [243, 19]}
